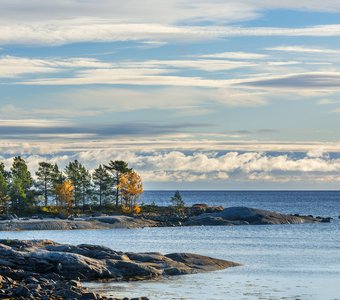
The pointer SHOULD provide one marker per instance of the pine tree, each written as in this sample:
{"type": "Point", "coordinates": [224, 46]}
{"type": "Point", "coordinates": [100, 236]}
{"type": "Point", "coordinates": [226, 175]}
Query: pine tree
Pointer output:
{"type": "Point", "coordinates": [117, 168]}
{"type": "Point", "coordinates": [4, 198]}
{"type": "Point", "coordinates": [102, 183]}
{"type": "Point", "coordinates": [177, 202]}
{"type": "Point", "coordinates": [21, 183]}
{"type": "Point", "coordinates": [57, 178]}
{"type": "Point", "coordinates": [44, 181]}
{"type": "Point", "coordinates": [81, 181]}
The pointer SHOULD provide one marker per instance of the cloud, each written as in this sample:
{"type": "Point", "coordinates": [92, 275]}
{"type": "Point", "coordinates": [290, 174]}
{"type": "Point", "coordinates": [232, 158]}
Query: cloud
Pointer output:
{"type": "Point", "coordinates": [11, 66]}
{"type": "Point", "coordinates": [131, 10]}
{"type": "Point", "coordinates": [39, 129]}
{"type": "Point", "coordinates": [93, 102]}
{"type": "Point", "coordinates": [127, 77]}
{"type": "Point", "coordinates": [208, 166]}
{"type": "Point", "coordinates": [168, 11]}
{"type": "Point", "coordinates": [32, 123]}
{"type": "Point", "coordinates": [234, 55]}
{"type": "Point", "coordinates": [303, 49]}
{"type": "Point", "coordinates": [73, 21]}
{"type": "Point", "coordinates": [308, 81]}
{"type": "Point", "coordinates": [327, 101]}
{"type": "Point", "coordinates": [167, 98]}
{"type": "Point", "coordinates": [61, 32]}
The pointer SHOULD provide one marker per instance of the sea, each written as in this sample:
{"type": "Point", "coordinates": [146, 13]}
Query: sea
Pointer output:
{"type": "Point", "coordinates": [278, 261]}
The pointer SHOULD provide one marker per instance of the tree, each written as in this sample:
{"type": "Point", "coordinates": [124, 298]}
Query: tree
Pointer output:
{"type": "Point", "coordinates": [4, 198]}
{"type": "Point", "coordinates": [102, 182]}
{"type": "Point", "coordinates": [21, 183]}
{"type": "Point", "coordinates": [117, 168]}
{"type": "Point", "coordinates": [19, 169]}
{"type": "Point", "coordinates": [3, 171]}
{"type": "Point", "coordinates": [64, 193]}
{"type": "Point", "coordinates": [57, 178]}
{"type": "Point", "coordinates": [85, 184]}
{"type": "Point", "coordinates": [177, 202]}
{"type": "Point", "coordinates": [45, 179]}
{"type": "Point", "coordinates": [131, 187]}
{"type": "Point", "coordinates": [81, 181]}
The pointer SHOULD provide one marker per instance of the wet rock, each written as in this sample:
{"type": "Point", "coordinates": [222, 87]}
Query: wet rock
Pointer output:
{"type": "Point", "coordinates": [89, 296]}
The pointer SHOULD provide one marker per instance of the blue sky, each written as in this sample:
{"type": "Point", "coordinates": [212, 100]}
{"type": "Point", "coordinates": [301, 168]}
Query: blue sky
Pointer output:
{"type": "Point", "coordinates": [193, 94]}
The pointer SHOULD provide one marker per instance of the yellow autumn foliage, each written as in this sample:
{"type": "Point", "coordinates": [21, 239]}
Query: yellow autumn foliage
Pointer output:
{"type": "Point", "coordinates": [137, 209]}
{"type": "Point", "coordinates": [131, 187]}
{"type": "Point", "coordinates": [126, 209]}
{"type": "Point", "coordinates": [64, 192]}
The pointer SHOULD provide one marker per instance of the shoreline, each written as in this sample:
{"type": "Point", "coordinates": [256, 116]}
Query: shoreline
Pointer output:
{"type": "Point", "coordinates": [44, 269]}
{"type": "Point", "coordinates": [232, 216]}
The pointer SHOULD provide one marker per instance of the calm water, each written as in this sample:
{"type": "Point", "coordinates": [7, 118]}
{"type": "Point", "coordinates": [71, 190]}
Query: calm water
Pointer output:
{"type": "Point", "coordinates": [279, 262]}
{"type": "Point", "coordinates": [303, 202]}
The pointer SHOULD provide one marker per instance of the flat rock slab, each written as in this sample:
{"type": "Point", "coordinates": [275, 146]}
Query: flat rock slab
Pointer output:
{"type": "Point", "coordinates": [121, 221]}
{"type": "Point", "coordinates": [51, 224]}
{"type": "Point", "coordinates": [88, 223]}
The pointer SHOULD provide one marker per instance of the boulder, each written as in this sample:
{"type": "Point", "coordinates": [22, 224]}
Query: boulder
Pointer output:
{"type": "Point", "coordinates": [253, 216]}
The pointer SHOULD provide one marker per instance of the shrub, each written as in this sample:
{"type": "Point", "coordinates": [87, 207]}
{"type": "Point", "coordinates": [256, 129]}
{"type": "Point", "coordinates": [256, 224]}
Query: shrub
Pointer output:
{"type": "Point", "coordinates": [126, 209]}
{"type": "Point", "coordinates": [137, 209]}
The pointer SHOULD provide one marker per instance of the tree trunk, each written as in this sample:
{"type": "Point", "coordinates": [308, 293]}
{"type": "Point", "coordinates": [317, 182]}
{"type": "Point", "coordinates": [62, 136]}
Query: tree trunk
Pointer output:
{"type": "Point", "coordinates": [117, 190]}
{"type": "Point", "coordinates": [45, 191]}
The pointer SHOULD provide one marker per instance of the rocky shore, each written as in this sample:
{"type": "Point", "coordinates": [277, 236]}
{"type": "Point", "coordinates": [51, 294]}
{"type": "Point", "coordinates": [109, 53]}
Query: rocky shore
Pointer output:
{"type": "Point", "coordinates": [86, 223]}
{"type": "Point", "coordinates": [43, 269]}
{"type": "Point", "coordinates": [251, 216]}
{"type": "Point", "coordinates": [197, 217]}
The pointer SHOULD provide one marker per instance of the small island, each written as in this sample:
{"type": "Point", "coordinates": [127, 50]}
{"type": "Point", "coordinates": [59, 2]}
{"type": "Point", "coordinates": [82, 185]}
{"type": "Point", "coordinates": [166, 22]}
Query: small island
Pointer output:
{"type": "Point", "coordinates": [107, 197]}
{"type": "Point", "coordinates": [199, 215]}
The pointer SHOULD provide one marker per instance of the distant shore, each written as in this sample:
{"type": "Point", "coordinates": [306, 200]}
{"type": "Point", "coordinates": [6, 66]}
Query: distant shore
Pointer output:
{"type": "Point", "coordinates": [222, 217]}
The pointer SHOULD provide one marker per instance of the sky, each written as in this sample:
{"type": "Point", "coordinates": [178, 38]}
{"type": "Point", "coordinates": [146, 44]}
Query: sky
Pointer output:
{"type": "Point", "coordinates": [197, 94]}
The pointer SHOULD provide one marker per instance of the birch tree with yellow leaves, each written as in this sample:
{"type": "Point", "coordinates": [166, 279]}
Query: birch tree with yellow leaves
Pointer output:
{"type": "Point", "coordinates": [64, 192]}
{"type": "Point", "coordinates": [130, 187]}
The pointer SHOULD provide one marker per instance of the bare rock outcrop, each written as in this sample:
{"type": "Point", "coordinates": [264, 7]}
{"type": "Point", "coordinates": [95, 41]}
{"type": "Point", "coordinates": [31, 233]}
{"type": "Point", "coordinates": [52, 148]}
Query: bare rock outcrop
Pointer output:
{"type": "Point", "coordinates": [44, 269]}
{"type": "Point", "coordinates": [250, 216]}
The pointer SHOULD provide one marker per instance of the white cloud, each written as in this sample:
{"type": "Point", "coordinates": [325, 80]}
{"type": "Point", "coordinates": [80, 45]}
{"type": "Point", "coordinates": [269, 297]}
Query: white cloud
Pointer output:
{"type": "Point", "coordinates": [176, 98]}
{"type": "Point", "coordinates": [234, 55]}
{"type": "Point", "coordinates": [71, 21]}
{"type": "Point", "coordinates": [327, 101]}
{"type": "Point", "coordinates": [316, 153]}
{"type": "Point", "coordinates": [207, 166]}
{"type": "Point", "coordinates": [103, 30]}
{"type": "Point", "coordinates": [11, 66]}
{"type": "Point", "coordinates": [309, 81]}
{"type": "Point", "coordinates": [169, 11]}
{"type": "Point", "coordinates": [303, 49]}
{"type": "Point", "coordinates": [32, 123]}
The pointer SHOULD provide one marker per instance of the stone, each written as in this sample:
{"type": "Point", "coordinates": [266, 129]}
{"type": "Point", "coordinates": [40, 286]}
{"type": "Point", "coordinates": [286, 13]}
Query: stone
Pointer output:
{"type": "Point", "coordinates": [75, 283]}
{"type": "Point", "coordinates": [252, 216]}
{"type": "Point", "coordinates": [21, 291]}
{"type": "Point", "coordinates": [28, 268]}
{"type": "Point", "coordinates": [89, 296]}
